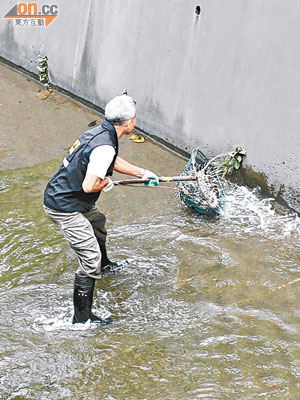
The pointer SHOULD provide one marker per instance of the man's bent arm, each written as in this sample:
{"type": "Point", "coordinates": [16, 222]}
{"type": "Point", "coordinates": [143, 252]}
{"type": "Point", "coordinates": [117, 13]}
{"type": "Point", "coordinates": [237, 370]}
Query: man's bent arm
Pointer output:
{"type": "Point", "coordinates": [125, 167]}
{"type": "Point", "coordinates": [93, 184]}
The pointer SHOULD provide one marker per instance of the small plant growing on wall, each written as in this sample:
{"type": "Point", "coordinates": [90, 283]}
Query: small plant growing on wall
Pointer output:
{"type": "Point", "coordinates": [42, 67]}
{"type": "Point", "coordinates": [233, 160]}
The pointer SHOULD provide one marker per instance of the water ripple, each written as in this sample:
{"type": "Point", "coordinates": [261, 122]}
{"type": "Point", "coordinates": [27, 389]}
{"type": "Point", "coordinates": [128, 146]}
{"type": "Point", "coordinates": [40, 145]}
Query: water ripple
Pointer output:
{"type": "Point", "coordinates": [205, 309]}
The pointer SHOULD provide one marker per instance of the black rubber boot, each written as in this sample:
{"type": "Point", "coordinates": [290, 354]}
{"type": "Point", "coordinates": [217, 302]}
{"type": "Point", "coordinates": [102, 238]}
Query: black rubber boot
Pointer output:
{"type": "Point", "coordinates": [83, 300]}
{"type": "Point", "coordinates": [107, 266]}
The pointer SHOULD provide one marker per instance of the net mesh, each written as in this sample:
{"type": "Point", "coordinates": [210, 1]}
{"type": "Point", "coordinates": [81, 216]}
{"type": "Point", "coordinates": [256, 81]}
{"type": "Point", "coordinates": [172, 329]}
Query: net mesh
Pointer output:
{"type": "Point", "coordinates": [204, 194]}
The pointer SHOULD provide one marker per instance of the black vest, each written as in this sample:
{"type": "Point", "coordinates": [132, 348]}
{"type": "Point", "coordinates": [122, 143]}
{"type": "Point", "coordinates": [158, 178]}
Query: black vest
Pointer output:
{"type": "Point", "coordinates": [64, 191]}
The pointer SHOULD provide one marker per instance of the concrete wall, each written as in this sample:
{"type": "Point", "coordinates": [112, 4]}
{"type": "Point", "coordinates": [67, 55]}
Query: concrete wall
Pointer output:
{"type": "Point", "coordinates": [228, 76]}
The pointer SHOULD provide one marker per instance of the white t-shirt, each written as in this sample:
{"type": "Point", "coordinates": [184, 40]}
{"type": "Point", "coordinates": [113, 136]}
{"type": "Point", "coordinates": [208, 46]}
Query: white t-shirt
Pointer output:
{"type": "Point", "coordinates": [100, 159]}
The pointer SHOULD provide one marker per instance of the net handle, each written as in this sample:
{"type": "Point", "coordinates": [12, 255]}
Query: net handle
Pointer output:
{"type": "Point", "coordinates": [162, 179]}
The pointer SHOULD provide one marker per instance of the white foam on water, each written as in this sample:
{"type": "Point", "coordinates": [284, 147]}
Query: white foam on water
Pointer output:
{"type": "Point", "coordinates": [62, 323]}
{"type": "Point", "coordinates": [246, 208]}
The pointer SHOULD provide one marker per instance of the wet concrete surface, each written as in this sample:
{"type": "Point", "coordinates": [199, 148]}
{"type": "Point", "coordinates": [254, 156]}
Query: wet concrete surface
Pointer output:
{"type": "Point", "coordinates": [34, 131]}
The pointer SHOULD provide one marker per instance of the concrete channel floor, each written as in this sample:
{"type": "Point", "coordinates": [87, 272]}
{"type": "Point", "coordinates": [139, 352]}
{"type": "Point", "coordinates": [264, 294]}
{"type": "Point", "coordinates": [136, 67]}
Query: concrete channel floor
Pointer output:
{"type": "Point", "coordinates": [35, 131]}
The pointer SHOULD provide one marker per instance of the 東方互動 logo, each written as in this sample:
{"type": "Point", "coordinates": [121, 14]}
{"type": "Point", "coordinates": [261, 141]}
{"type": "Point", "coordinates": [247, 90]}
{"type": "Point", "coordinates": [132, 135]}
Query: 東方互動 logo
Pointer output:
{"type": "Point", "coordinates": [29, 14]}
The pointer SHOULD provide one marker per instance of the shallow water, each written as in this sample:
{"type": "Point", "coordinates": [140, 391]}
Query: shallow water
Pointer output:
{"type": "Point", "coordinates": [207, 308]}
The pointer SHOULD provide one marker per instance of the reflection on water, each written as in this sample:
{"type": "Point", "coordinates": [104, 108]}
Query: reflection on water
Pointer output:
{"type": "Point", "coordinates": [207, 307]}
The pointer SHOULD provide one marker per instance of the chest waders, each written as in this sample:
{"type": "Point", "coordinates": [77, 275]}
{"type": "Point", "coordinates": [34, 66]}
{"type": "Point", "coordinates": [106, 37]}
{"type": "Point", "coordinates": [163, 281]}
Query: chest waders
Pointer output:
{"type": "Point", "coordinates": [64, 195]}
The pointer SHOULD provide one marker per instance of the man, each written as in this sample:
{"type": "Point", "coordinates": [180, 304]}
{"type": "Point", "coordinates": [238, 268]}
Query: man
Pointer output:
{"type": "Point", "coordinates": [70, 196]}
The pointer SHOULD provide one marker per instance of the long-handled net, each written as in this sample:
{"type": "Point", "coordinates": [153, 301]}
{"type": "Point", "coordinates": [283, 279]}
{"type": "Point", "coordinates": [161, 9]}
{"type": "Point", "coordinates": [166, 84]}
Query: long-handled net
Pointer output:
{"type": "Point", "coordinates": [200, 184]}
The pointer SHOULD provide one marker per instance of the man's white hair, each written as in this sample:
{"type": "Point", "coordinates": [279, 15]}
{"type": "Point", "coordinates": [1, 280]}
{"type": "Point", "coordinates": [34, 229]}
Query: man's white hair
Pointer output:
{"type": "Point", "coordinates": [120, 109]}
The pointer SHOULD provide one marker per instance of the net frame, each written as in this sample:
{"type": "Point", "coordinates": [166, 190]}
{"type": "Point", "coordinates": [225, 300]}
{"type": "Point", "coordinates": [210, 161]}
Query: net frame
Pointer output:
{"type": "Point", "coordinates": [203, 196]}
